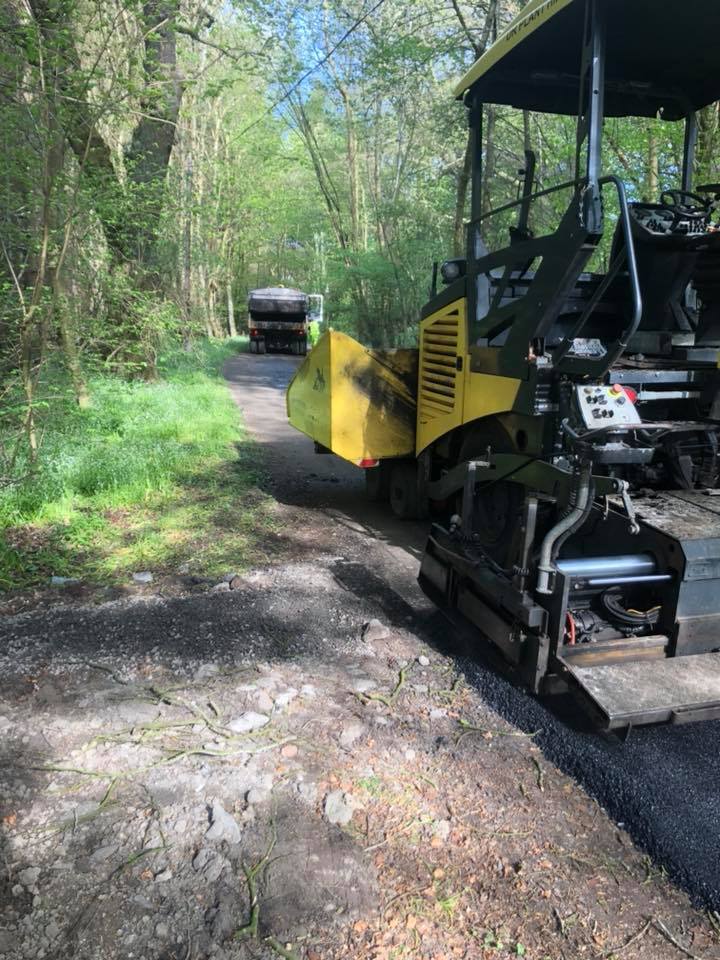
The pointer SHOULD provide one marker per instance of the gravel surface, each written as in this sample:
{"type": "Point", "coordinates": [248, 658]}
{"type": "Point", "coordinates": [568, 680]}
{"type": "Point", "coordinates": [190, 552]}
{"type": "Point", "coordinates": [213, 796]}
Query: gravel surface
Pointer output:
{"type": "Point", "coordinates": [381, 806]}
{"type": "Point", "coordinates": [307, 764]}
{"type": "Point", "coordinates": [662, 785]}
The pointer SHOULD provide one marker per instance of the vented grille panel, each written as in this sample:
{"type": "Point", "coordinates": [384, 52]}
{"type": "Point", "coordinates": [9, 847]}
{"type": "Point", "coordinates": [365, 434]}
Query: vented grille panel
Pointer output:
{"type": "Point", "coordinates": [438, 367]}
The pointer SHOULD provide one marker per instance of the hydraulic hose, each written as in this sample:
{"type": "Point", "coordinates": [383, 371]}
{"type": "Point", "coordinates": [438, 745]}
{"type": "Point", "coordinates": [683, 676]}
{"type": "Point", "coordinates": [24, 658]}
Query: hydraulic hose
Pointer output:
{"type": "Point", "coordinates": [577, 525]}
{"type": "Point", "coordinates": [546, 567]}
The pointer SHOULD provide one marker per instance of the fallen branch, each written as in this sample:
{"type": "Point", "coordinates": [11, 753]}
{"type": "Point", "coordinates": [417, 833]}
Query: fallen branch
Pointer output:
{"type": "Point", "coordinates": [279, 949]}
{"type": "Point", "coordinates": [165, 697]}
{"type": "Point", "coordinates": [250, 930]}
{"type": "Point", "coordinates": [387, 699]}
{"type": "Point", "coordinates": [108, 670]}
{"type": "Point", "coordinates": [489, 732]}
{"type": "Point", "coordinates": [449, 693]}
{"type": "Point", "coordinates": [400, 896]}
{"type": "Point", "coordinates": [661, 928]}
{"type": "Point", "coordinates": [628, 943]}
{"type": "Point", "coordinates": [540, 775]}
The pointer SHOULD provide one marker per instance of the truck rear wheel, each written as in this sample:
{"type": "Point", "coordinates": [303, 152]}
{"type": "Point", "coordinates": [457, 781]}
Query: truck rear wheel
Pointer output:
{"type": "Point", "coordinates": [404, 491]}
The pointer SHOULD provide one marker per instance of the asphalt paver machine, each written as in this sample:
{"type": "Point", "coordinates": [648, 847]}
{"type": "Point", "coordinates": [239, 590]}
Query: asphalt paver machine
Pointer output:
{"type": "Point", "coordinates": [563, 424]}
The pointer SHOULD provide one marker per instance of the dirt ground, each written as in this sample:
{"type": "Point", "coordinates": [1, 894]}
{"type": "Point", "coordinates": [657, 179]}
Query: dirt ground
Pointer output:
{"type": "Point", "coordinates": [296, 762]}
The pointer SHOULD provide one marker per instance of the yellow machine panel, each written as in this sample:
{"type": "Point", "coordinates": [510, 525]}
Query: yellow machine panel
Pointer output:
{"type": "Point", "coordinates": [486, 395]}
{"type": "Point", "coordinates": [356, 402]}
{"type": "Point", "coordinates": [449, 394]}
{"type": "Point", "coordinates": [443, 342]}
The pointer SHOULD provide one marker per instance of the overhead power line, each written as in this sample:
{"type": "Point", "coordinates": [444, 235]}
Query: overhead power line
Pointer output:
{"type": "Point", "coordinates": [316, 66]}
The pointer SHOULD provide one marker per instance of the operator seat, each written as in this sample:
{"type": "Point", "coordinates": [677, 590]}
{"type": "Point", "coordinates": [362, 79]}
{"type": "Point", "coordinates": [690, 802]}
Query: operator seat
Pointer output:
{"type": "Point", "coordinates": [670, 239]}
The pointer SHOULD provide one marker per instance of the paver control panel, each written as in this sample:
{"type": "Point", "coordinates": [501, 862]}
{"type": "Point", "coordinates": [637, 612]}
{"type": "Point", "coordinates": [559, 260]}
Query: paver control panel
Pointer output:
{"type": "Point", "coordinates": [602, 407]}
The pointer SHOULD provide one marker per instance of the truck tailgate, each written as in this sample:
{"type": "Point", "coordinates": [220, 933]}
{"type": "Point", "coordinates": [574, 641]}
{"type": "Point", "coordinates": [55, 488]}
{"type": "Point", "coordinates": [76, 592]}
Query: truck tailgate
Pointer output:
{"type": "Point", "coordinates": [675, 690]}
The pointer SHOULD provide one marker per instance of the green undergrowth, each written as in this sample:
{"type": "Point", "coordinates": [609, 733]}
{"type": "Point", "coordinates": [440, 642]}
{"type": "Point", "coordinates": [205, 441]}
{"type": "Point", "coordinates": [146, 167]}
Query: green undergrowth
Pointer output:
{"type": "Point", "coordinates": [154, 476]}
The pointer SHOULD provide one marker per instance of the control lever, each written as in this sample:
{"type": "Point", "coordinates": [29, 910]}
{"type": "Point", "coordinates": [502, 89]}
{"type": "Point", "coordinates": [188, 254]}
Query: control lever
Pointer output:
{"type": "Point", "coordinates": [629, 507]}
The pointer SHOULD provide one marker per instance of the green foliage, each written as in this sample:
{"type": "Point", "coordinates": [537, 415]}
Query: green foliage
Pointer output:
{"type": "Point", "coordinates": [143, 477]}
{"type": "Point", "coordinates": [138, 210]}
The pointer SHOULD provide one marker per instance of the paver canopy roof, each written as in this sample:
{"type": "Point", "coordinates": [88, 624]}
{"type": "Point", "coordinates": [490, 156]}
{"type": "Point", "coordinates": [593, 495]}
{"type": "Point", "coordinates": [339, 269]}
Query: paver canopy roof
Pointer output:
{"type": "Point", "coordinates": [662, 58]}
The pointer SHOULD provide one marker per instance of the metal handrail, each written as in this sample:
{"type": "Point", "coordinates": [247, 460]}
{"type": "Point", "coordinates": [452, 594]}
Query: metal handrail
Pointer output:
{"type": "Point", "coordinates": [632, 266]}
{"type": "Point", "coordinates": [630, 254]}
{"type": "Point", "coordinates": [626, 256]}
{"type": "Point", "coordinates": [529, 199]}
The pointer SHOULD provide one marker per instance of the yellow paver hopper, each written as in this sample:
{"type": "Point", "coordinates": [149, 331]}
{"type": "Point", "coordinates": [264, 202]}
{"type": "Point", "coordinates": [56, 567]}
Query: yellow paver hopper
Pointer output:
{"type": "Point", "coordinates": [358, 403]}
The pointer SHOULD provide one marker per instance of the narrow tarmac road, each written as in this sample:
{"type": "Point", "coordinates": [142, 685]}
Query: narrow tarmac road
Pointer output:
{"type": "Point", "coordinates": [662, 786]}
{"type": "Point", "coordinates": [298, 477]}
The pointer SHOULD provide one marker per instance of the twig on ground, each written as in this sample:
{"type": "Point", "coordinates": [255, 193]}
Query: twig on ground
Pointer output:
{"type": "Point", "coordinates": [99, 666]}
{"type": "Point", "coordinates": [151, 726]}
{"type": "Point", "coordinates": [72, 822]}
{"type": "Point", "coordinates": [490, 732]}
{"type": "Point", "coordinates": [94, 774]}
{"type": "Point", "coordinates": [397, 830]}
{"type": "Point", "coordinates": [540, 775]}
{"type": "Point", "coordinates": [279, 949]}
{"type": "Point", "coordinates": [560, 921]}
{"type": "Point", "coordinates": [109, 791]}
{"type": "Point", "coordinates": [400, 896]}
{"type": "Point", "coordinates": [450, 692]}
{"type": "Point", "coordinates": [164, 696]}
{"type": "Point", "coordinates": [616, 951]}
{"type": "Point", "coordinates": [387, 699]}
{"type": "Point", "coordinates": [425, 779]}
{"type": "Point", "coordinates": [506, 834]}
{"type": "Point", "coordinates": [134, 857]}
{"type": "Point", "coordinates": [249, 931]}
{"type": "Point", "coordinates": [661, 928]}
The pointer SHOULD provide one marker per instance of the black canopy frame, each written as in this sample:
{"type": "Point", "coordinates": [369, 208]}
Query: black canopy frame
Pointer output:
{"type": "Point", "coordinates": [661, 58]}
{"type": "Point", "coordinates": [565, 254]}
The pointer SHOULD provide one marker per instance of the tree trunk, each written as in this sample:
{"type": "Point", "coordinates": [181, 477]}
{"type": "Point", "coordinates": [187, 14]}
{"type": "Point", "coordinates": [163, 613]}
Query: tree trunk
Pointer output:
{"type": "Point", "coordinates": [706, 157]}
{"type": "Point", "coordinates": [186, 281]}
{"type": "Point", "coordinates": [65, 319]}
{"type": "Point", "coordinates": [230, 309]}
{"type": "Point", "coordinates": [489, 169]}
{"type": "Point", "coordinates": [653, 168]}
{"type": "Point", "coordinates": [463, 183]}
{"type": "Point", "coordinates": [153, 138]}
{"type": "Point", "coordinates": [130, 218]}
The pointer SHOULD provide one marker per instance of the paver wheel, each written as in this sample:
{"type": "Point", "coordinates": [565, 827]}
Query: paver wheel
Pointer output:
{"type": "Point", "coordinates": [404, 492]}
{"type": "Point", "coordinates": [377, 482]}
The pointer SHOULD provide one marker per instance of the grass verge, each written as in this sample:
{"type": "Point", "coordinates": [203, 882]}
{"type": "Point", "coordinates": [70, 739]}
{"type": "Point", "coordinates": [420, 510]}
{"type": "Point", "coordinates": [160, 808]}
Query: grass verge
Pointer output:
{"type": "Point", "coordinates": [159, 477]}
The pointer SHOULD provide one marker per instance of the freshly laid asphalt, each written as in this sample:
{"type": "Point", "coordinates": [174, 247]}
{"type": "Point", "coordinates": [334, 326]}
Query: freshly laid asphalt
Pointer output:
{"type": "Point", "coordinates": [662, 785]}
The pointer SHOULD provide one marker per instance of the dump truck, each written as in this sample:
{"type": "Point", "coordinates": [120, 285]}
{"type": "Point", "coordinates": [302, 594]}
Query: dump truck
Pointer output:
{"type": "Point", "coordinates": [561, 419]}
{"type": "Point", "coordinates": [278, 320]}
